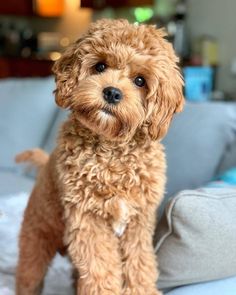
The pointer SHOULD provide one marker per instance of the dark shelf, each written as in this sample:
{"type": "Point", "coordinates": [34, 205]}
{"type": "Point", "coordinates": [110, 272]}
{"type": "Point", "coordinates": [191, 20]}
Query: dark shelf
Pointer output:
{"type": "Point", "coordinates": [98, 4]}
{"type": "Point", "coordinates": [24, 67]}
{"type": "Point", "coordinates": [16, 7]}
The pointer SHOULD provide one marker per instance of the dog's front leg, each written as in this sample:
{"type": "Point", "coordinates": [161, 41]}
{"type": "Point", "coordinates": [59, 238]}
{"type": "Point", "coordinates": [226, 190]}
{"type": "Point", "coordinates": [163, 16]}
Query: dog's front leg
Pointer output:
{"type": "Point", "coordinates": [40, 238]}
{"type": "Point", "coordinates": [140, 266]}
{"type": "Point", "coordinates": [94, 251]}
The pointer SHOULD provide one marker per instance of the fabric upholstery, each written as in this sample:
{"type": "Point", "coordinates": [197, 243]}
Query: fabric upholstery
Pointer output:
{"type": "Point", "coordinates": [196, 238]}
{"type": "Point", "coordinates": [26, 112]}
{"type": "Point", "coordinates": [229, 159]}
{"type": "Point", "coordinates": [220, 287]}
{"type": "Point", "coordinates": [58, 279]}
{"type": "Point", "coordinates": [50, 140]}
{"type": "Point", "coordinates": [11, 183]}
{"type": "Point", "coordinates": [196, 142]}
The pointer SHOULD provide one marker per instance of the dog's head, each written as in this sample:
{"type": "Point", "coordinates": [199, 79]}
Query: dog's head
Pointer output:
{"type": "Point", "coordinates": [120, 77]}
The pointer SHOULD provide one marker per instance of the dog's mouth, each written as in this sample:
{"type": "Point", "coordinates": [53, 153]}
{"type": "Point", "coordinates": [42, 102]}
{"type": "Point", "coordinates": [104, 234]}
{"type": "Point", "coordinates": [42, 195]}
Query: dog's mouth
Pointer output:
{"type": "Point", "coordinates": [107, 111]}
{"type": "Point", "coordinates": [88, 112]}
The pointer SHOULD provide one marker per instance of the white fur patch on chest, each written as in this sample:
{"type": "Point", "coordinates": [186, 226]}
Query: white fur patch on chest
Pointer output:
{"type": "Point", "coordinates": [119, 225]}
{"type": "Point", "coordinates": [119, 228]}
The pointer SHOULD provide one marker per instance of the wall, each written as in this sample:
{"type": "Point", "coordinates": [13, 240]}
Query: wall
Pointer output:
{"type": "Point", "coordinates": [216, 18]}
{"type": "Point", "coordinates": [72, 23]}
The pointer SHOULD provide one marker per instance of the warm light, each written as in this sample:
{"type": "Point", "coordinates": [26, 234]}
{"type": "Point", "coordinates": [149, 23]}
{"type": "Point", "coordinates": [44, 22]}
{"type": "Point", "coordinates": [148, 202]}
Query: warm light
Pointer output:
{"type": "Point", "coordinates": [64, 41]}
{"type": "Point", "coordinates": [54, 55]}
{"type": "Point", "coordinates": [49, 8]}
{"type": "Point", "coordinates": [72, 5]}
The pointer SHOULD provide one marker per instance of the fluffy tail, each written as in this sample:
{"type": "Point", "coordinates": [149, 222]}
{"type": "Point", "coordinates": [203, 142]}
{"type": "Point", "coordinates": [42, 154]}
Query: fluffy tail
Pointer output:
{"type": "Point", "coordinates": [35, 157]}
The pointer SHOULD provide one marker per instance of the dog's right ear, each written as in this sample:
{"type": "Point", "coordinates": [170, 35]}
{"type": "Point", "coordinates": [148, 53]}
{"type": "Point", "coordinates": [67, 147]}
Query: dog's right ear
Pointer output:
{"type": "Point", "coordinates": [66, 70]}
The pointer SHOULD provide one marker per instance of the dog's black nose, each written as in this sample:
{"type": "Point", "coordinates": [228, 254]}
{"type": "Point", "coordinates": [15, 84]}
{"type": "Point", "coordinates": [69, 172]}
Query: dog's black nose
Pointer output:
{"type": "Point", "coordinates": [112, 95]}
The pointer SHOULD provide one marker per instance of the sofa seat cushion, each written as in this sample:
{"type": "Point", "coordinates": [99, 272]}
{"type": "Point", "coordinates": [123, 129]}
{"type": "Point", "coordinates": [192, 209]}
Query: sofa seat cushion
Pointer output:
{"type": "Point", "coordinates": [196, 240]}
{"type": "Point", "coordinates": [27, 109]}
{"type": "Point", "coordinates": [219, 287]}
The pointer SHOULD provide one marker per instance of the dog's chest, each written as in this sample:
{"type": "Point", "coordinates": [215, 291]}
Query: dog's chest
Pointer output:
{"type": "Point", "coordinates": [115, 184]}
{"type": "Point", "coordinates": [104, 173]}
{"type": "Point", "coordinates": [104, 184]}
{"type": "Point", "coordinates": [111, 182]}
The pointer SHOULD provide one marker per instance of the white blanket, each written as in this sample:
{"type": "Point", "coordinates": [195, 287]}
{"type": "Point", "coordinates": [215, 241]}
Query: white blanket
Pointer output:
{"type": "Point", "coordinates": [58, 280]}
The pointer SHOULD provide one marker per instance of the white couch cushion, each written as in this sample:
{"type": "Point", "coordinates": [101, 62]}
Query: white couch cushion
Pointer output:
{"type": "Point", "coordinates": [58, 280]}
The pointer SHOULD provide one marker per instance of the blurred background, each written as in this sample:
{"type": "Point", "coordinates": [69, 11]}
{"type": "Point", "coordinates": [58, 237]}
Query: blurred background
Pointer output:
{"type": "Point", "coordinates": [34, 32]}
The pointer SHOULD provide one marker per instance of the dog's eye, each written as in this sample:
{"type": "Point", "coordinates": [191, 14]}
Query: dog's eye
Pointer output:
{"type": "Point", "coordinates": [100, 67]}
{"type": "Point", "coordinates": [139, 81]}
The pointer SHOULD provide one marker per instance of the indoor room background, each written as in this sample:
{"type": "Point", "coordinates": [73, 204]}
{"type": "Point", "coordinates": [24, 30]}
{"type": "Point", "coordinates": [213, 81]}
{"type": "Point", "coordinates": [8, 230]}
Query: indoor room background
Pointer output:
{"type": "Point", "coordinates": [33, 33]}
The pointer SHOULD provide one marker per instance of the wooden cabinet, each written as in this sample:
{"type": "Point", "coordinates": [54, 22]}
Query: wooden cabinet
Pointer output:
{"type": "Point", "coordinates": [47, 8]}
{"type": "Point", "coordinates": [16, 7]}
{"type": "Point", "coordinates": [24, 67]}
{"type": "Point", "coordinates": [99, 4]}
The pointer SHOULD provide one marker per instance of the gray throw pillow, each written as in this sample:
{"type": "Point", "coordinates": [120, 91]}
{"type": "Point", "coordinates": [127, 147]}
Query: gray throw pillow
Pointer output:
{"type": "Point", "coordinates": [196, 238]}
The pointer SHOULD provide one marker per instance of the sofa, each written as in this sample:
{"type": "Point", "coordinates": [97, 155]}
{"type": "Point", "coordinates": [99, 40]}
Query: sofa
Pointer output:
{"type": "Point", "coordinates": [195, 238]}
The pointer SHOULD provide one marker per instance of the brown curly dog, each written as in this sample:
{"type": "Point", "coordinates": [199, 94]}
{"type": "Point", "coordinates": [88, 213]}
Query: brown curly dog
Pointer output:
{"type": "Point", "coordinates": [96, 195]}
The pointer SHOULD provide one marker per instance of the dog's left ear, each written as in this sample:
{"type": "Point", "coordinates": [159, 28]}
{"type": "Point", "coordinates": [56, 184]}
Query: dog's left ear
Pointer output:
{"type": "Point", "coordinates": [66, 70]}
{"type": "Point", "coordinates": [167, 100]}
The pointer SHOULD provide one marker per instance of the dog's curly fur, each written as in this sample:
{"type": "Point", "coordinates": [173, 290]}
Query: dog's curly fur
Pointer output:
{"type": "Point", "coordinates": [97, 194]}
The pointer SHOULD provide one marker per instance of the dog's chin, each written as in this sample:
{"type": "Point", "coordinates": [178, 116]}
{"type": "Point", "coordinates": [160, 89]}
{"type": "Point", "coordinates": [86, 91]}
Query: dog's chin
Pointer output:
{"type": "Point", "coordinates": [106, 123]}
